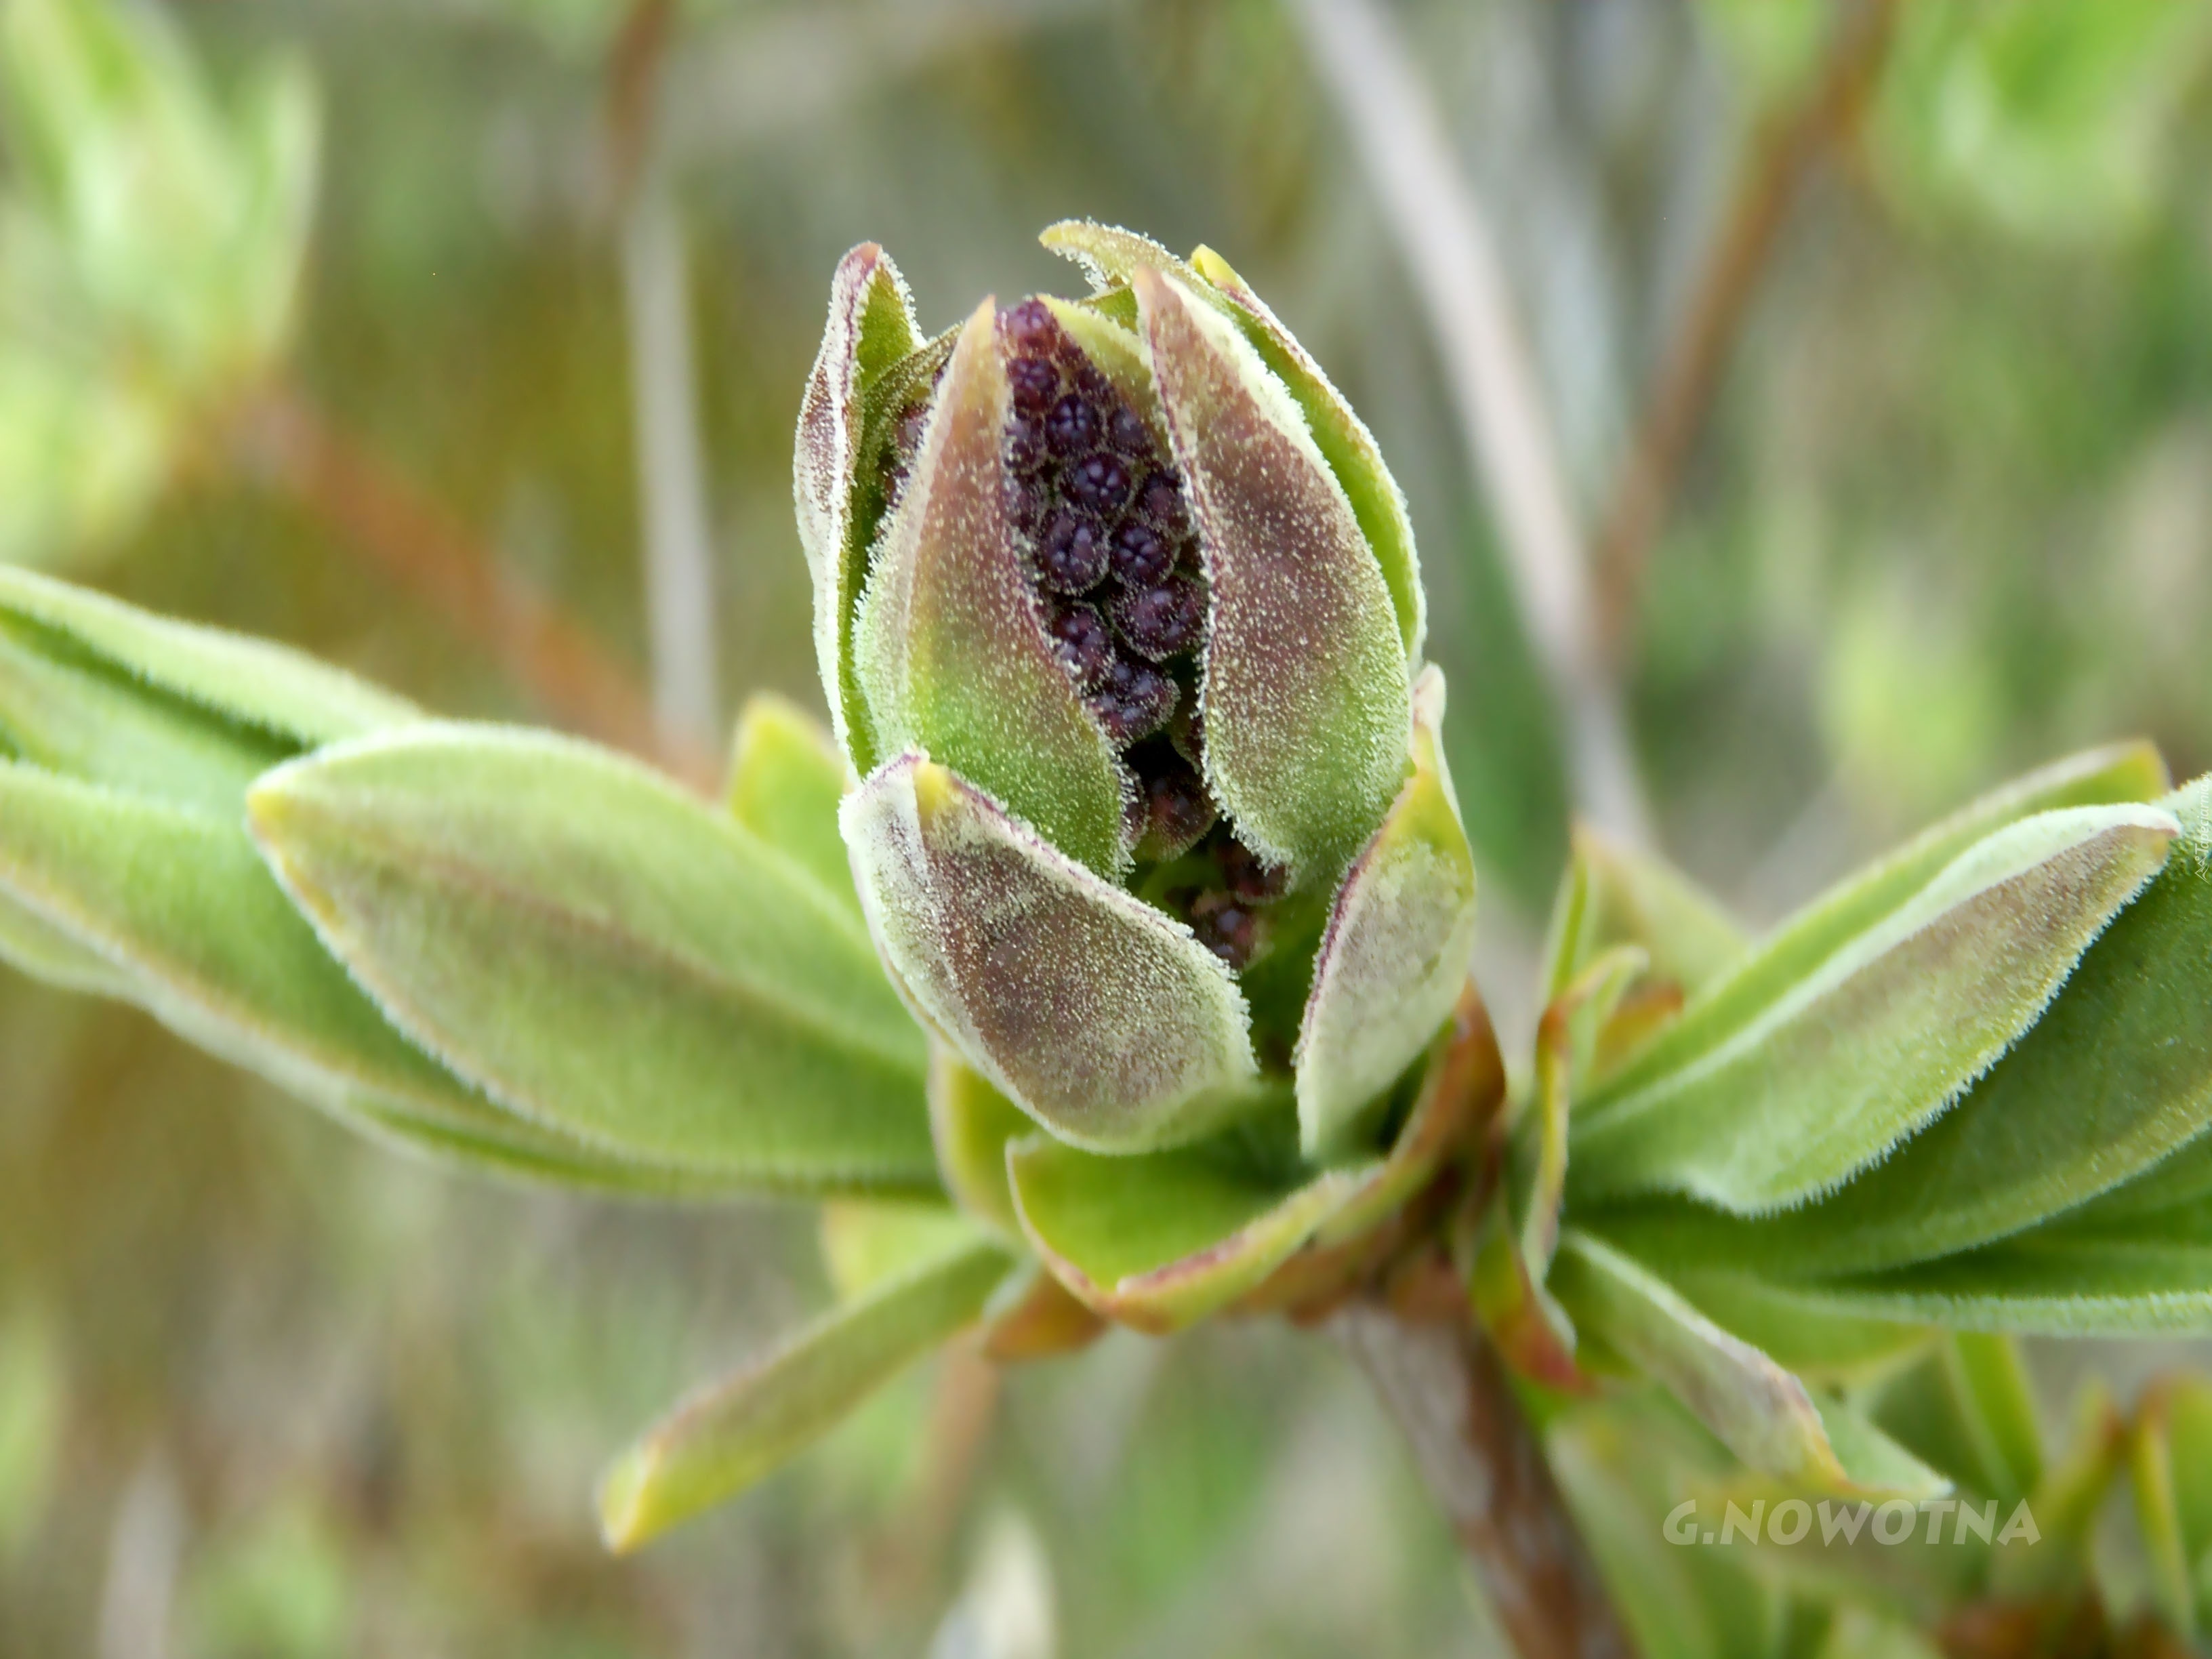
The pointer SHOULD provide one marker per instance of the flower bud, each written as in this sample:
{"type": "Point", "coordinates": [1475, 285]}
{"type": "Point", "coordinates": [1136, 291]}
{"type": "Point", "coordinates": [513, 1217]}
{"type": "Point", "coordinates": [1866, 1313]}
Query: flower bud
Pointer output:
{"type": "Point", "coordinates": [1120, 620]}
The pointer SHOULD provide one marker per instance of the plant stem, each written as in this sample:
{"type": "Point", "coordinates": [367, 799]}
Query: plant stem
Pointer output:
{"type": "Point", "coordinates": [1690, 374]}
{"type": "Point", "coordinates": [1442, 1382]}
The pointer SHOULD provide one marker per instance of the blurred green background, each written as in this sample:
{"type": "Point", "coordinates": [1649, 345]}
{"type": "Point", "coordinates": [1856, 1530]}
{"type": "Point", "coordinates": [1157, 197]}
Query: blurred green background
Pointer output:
{"type": "Point", "coordinates": [341, 321]}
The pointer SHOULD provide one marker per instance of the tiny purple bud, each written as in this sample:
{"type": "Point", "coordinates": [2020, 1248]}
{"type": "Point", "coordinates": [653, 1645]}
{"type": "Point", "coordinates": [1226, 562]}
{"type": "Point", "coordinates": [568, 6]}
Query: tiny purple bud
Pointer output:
{"type": "Point", "coordinates": [1142, 557]}
{"type": "Point", "coordinates": [1250, 876]}
{"type": "Point", "coordinates": [1035, 384]}
{"type": "Point", "coordinates": [1173, 811]}
{"type": "Point", "coordinates": [1084, 642]}
{"type": "Point", "coordinates": [1099, 481]}
{"type": "Point", "coordinates": [1072, 554]}
{"type": "Point", "coordinates": [1128, 434]}
{"type": "Point", "coordinates": [1030, 328]}
{"type": "Point", "coordinates": [1133, 700]}
{"type": "Point", "coordinates": [1226, 927]}
{"type": "Point", "coordinates": [1072, 426]}
{"type": "Point", "coordinates": [1160, 499]}
{"type": "Point", "coordinates": [1160, 621]}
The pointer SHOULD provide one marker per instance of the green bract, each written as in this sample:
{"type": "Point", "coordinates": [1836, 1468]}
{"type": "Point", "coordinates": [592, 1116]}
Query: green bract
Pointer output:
{"type": "Point", "coordinates": [1120, 622]}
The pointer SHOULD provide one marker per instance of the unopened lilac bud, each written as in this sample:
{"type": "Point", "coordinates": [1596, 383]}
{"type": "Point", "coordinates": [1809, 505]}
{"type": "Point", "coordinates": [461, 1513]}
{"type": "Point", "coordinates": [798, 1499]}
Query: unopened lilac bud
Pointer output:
{"type": "Point", "coordinates": [1121, 582]}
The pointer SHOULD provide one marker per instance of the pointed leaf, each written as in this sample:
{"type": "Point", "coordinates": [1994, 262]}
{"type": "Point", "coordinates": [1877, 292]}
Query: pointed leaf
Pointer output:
{"type": "Point", "coordinates": [604, 954]}
{"type": "Point", "coordinates": [871, 327]}
{"type": "Point", "coordinates": [172, 911]}
{"type": "Point", "coordinates": [1109, 256]}
{"type": "Point", "coordinates": [2114, 1077]}
{"type": "Point", "coordinates": [1614, 894]}
{"type": "Point", "coordinates": [1104, 1019]}
{"type": "Point", "coordinates": [1343, 439]}
{"type": "Point", "coordinates": [949, 646]}
{"type": "Point", "coordinates": [2043, 1285]}
{"type": "Point", "coordinates": [733, 1432]}
{"type": "Point", "coordinates": [1758, 1410]}
{"type": "Point", "coordinates": [264, 689]}
{"type": "Point", "coordinates": [1161, 1241]}
{"type": "Point", "coordinates": [1756, 1104]}
{"type": "Point", "coordinates": [1398, 947]}
{"type": "Point", "coordinates": [1796, 1326]}
{"type": "Point", "coordinates": [785, 780]}
{"type": "Point", "coordinates": [1305, 689]}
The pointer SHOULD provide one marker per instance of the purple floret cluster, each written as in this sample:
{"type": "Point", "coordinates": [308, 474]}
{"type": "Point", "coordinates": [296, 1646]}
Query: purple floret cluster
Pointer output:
{"type": "Point", "coordinates": [1112, 548]}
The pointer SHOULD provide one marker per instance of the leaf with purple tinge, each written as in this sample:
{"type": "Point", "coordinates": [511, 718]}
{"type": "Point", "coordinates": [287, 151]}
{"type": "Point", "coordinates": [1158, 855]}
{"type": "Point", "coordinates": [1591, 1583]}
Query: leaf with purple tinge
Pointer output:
{"type": "Point", "coordinates": [1398, 946]}
{"type": "Point", "coordinates": [1103, 1018]}
{"type": "Point", "coordinates": [871, 327]}
{"type": "Point", "coordinates": [950, 650]}
{"type": "Point", "coordinates": [1306, 690]}
{"type": "Point", "coordinates": [1344, 440]}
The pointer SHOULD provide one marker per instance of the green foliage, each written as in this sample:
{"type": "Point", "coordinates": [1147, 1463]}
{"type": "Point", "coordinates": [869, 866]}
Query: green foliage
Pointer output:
{"type": "Point", "coordinates": [734, 1431]}
{"type": "Point", "coordinates": [603, 954]}
{"type": "Point", "coordinates": [150, 252]}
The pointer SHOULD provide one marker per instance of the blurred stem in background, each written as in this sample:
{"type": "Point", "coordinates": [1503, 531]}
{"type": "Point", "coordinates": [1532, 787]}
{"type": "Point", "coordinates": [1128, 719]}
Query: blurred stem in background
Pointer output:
{"type": "Point", "coordinates": [1443, 237]}
{"type": "Point", "coordinates": [1784, 154]}
{"type": "Point", "coordinates": [674, 520]}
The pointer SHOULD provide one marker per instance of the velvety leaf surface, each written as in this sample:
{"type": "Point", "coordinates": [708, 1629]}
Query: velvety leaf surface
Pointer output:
{"type": "Point", "coordinates": [168, 909]}
{"type": "Point", "coordinates": [1754, 1105]}
{"type": "Point", "coordinates": [785, 780]}
{"type": "Point", "coordinates": [971, 1122]}
{"type": "Point", "coordinates": [1161, 1241]}
{"type": "Point", "coordinates": [248, 683]}
{"type": "Point", "coordinates": [1108, 254]}
{"type": "Point", "coordinates": [604, 954]}
{"type": "Point", "coordinates": [1103, 1018]}
{"type": "Point", "coordinates": [871, 326]}
{"type": "Point", "coordinates": [2046, 1285]}
{"type": "Point", "coordinates": [868, 1242]}
{"type": "Point", "coordinates": [1344, 441]}
{"type": "Point", "coordinates": [1305, 689]}
{"type": "Point", "coordinates": [1758, 1410]}
{"type": "Point", "coordinates": [1795, 1326]}
{"type": "Point", "coordinates": [733, 1432]}
{"type": "Point", "coordinates": [1397, 949]}
{"type": "Point", "coordinates": [949, 648]}
{"type": "Point", "coordinates": [2116, 1075]}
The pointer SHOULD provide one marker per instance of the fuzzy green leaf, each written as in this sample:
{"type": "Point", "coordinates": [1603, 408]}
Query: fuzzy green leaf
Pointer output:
{"type": "Point", "coordinates": [1305, 687]}
{"type": "Point", "coordinates": [785, 780]}
{"type": "Point", "coordinates": [1161, 1241]}
{"type": "Point", "coordinates": [1397, 949]}
{"type": "Point", "coordinates": [871, 327]}
{"type": "Point", "coordinates": [1103, 1018]}
{"type": "Point", "coordinates": [1789, 1076]}
{"type": "Point", "coordinates": [164, 907]}
{"type": "Point", "coordinates": [2045, 1283]}
{"type": "Point", "coordinates": [1344, 441]}
{"type": "Point", "coordinates": [604, 954]}
{"type": "Point", "coordinates": [733, 1433]}
{"type": "Point", "coordinates": [1758, 1410]}
{"type": "Point", "coordinates": [2114, 1077]}
{"type": "Point", "coordinates": [95, 688]}
{"type": "Point", "coordinates": [949, 646]}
